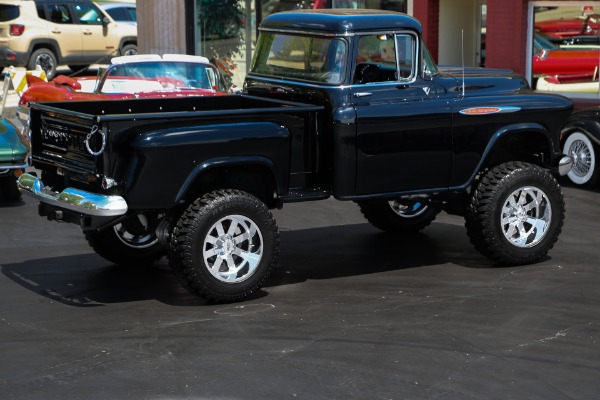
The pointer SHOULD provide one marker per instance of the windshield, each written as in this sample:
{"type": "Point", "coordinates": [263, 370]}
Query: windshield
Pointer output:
{"type": "Point", "coordinates": [314, 59]}
{"type": "Point", "coordinates": [541, 41]}
{"type": "Point", "coordinates": [150, 76]}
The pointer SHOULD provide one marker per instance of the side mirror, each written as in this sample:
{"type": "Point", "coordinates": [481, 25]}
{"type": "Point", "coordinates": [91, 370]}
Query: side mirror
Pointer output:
{"type": "Point", "coordinates": [105, 21]}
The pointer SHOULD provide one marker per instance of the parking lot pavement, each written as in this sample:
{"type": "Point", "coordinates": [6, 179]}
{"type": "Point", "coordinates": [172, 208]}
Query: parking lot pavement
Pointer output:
{"type": "Point", "coordinates": [351, 313]}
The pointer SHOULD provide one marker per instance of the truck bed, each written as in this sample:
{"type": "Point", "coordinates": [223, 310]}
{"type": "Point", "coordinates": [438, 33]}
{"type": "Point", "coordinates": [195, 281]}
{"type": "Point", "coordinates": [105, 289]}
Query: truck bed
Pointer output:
{"type": "Point", "coordinates": [111, 110]}
{"type": "Point", "coordinates": [83, 141]}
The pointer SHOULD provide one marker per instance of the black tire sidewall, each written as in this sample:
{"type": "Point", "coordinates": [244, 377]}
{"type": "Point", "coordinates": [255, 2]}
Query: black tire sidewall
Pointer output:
{"type": "Point", "coordinates": [8, 188]}
{"type": "Point", "coordinates": [201, 217]}
{"type": "Point", "coordinates": [381, 215]}
{"type": "Point", "coordinates": [490, 226]}
{"type": "Point", "coordinates": [108, 245]}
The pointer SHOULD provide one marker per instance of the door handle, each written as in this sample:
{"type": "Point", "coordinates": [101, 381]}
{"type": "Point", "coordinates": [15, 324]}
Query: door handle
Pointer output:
{"type": "Point", "coordinates": [87, 33]}
{"type": "Point", "coordinates": [362, 94]}
{"type": "Point", "coordinates": [55, 30]}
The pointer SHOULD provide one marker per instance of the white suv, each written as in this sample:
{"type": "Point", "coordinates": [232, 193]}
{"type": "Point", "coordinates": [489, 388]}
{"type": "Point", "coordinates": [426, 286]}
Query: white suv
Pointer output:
{"type": "Point", "coordinates": [50, 32]}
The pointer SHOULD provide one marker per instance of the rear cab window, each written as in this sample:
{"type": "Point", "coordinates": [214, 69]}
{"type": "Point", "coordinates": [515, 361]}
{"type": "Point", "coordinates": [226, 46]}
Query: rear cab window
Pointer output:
{"type": "Point", "coordinates": [305, 58]}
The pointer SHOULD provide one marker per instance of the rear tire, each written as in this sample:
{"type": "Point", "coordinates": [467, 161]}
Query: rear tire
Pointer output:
{"type": "Point", "coordinates": [131, 242]}
{"type": "Point", "coordinates": [224, 246]}
{"type": "Point", "coordinates": [516, 213]}
{"type": "Point", "coordinates": [46, 59]}
{"type": "Point", "coordinates": [392, 216]}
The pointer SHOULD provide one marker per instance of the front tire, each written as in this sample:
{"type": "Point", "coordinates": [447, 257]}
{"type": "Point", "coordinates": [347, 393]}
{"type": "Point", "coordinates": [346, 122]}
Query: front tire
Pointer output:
{"type": "Point", "coordinates": [516, 214]}
{"type": "Point", "coordinates": [398, 217]}
{"type": "Point", "coordinates": [585, 169]}
{"type": "Point", "coordinates": [224, 246]}
{"type": "Point", "coordinates": [131, 242]}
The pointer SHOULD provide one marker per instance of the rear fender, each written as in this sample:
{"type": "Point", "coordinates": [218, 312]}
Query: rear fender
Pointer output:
{"type": "Point", "coordinates": [253, 174]}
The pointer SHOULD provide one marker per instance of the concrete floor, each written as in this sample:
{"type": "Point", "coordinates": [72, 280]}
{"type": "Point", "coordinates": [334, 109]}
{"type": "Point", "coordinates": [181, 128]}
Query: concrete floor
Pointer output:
{"type": "Point", "coordinates": [351, 313]}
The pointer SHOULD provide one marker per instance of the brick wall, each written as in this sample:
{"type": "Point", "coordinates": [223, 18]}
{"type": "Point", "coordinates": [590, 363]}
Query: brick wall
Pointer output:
{"type": "Point", "coordinates": [506, 42]}
{"type": "Point", "coordinates": [428, 11]}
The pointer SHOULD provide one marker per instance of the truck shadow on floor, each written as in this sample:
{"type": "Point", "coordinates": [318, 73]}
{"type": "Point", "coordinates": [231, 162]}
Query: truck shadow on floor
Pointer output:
{"type": "Point", "coordinates": [311, 254]}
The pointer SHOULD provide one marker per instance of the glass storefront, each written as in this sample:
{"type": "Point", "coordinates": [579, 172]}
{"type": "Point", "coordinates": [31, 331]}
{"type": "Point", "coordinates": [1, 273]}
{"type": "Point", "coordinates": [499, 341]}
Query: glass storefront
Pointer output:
{"type": "Point", "coordinates": [565, 48]}
{"type": "Point", "coordinates": [225, 31]}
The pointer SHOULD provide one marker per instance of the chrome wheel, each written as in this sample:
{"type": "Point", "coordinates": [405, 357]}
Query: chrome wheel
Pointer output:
{"type": "Point", "coordinates": [581, 149]}
{"type": "Point", "coordinates": [137, 232]}
{"type": "Point", "coordinates": [408, 211]}
{"type": "Point", "coordinates": [526, 216]}
{"type": "Point", "coordinates": [233, 249]}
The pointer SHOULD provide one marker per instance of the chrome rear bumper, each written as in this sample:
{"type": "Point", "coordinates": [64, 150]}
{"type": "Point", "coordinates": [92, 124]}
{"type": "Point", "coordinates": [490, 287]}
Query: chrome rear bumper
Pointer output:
{"type": "Point", "coordinates": [73, 199]}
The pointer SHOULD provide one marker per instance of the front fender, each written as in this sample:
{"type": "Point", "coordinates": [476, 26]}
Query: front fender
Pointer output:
{"type": "Point", "coordinates": [505, 132]}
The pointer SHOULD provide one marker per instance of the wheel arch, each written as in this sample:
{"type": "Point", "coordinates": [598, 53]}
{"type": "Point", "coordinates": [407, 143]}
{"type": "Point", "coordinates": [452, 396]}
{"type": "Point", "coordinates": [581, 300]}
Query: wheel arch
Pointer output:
{"type": "Point", "coordinates": [127, 40]}
{"type": "Point", "coordinates": [255, 175]}
{"type": "Point", "coordinates": [522, 142]}
{"type": "Point", "coordinates": [45, 44]}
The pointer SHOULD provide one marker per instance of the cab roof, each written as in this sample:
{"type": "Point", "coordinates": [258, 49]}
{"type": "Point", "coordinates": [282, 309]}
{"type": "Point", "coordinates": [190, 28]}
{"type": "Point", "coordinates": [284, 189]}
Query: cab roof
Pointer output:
{"type": "Point", "coordinates": [339, 21]}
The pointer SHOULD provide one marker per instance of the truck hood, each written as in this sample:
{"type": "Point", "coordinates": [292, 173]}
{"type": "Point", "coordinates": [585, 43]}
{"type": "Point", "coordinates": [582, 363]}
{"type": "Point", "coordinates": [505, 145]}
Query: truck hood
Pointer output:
{"type": "Point", "coordinates": [480, 81]}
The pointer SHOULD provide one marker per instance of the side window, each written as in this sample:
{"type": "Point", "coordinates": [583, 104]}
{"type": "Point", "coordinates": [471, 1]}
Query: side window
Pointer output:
{"type": "Point", "coordinates": [429, 67]}
{"type": "Point", "coordinates": [405, 48]}
{"type": "Point", "coordinates": [88, 15]}
{"type": "Point", "coordinates": [385, 57]}
{"type": "Point", "coordinates": [58, 14]}
{"type": "Point", "coordinates": [40, 11]}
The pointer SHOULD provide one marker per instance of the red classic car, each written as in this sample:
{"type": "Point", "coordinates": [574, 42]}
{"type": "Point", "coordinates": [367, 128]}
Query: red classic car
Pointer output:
{"type": "Point", "coordinates": [565, 28]}
{"type": "Point", "coordinates": [137, 76]}
{"type": "Point", "coordinates": [549, 59]}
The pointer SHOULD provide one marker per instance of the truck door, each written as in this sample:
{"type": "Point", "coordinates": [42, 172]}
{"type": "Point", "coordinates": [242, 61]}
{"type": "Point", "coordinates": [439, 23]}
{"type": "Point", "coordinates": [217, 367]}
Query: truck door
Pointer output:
{"type": "Point", "coordinates": [403, 125]}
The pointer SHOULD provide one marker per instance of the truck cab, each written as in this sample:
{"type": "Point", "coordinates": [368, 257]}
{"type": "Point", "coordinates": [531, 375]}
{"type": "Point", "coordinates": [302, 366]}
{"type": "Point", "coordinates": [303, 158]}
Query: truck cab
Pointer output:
{"type": "Point", "coordinates": [401, 122]}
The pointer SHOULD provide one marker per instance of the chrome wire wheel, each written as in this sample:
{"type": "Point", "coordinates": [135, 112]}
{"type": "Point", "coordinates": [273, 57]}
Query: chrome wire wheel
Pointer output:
{"type": "Point", "coordinates": [526, 216]}
{"type": "Point", "coordinates": [581, 149]}
{"type": "Point", "coordinates": [233, 249]}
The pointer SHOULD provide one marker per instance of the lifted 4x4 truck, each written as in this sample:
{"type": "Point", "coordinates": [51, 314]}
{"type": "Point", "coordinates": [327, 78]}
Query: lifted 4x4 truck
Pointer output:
{"type": "Point", "coordinates": [337, 103]}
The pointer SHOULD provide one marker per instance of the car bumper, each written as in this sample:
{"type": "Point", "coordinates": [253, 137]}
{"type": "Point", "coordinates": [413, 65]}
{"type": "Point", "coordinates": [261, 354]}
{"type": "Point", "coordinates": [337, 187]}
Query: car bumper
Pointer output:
{"type": "Point", "coordinates": [564, 165]}
{"type": "Point", "coordinates": [72, 199]}
{"type": "Point", "coordinates": [9, 57]}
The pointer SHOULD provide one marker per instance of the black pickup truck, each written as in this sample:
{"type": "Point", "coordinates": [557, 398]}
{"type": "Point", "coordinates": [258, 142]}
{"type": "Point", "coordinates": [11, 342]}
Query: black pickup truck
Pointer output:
{"type": "Point", "coordinates": [337, 103]}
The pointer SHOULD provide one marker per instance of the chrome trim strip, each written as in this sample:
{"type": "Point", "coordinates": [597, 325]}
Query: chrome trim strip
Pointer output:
{"type": "Point", "coordinates": [564, 165]}
{"type": "Point", "coordinates": [13, 166]}
{"type": "Point", "coordinates": [73, 199]}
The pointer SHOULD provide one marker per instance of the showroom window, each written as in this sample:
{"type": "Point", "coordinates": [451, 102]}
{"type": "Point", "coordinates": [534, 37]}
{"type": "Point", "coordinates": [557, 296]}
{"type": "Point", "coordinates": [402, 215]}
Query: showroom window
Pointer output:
{"type": "Point", "coordinates": [565, 47]}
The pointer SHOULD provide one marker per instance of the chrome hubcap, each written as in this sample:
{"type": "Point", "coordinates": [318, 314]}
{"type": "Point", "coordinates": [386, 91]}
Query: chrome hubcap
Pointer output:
{"type": "Point", "coordinates": [136, 233]}
{"type": "Point", "coordinates": [233, 249]}
{"type": "Point", "coordinates": [582, 160]}
{"type": "Point", "coordinates": [526, 217]}
{"type": "Point", "coordinates": [408, 211]}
